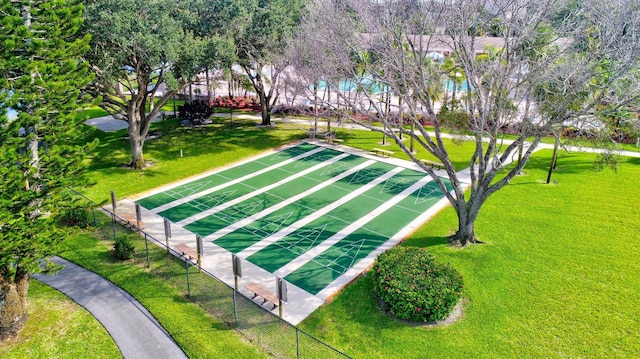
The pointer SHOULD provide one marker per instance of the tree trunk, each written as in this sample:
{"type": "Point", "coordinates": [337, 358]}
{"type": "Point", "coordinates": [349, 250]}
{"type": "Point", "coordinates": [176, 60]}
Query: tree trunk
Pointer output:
{"type": "Point", "coordinates": [400, 115]}
{"type": "Point", "coordinates": [137, 134]}
{"type": "Point", "coordinates": [13, 306]}
{"type": "Point", "coordinates": [554, 158]}
{"type": "Point", "coordinates": [315, 107]}
{"type": "Point", "coordinates": [266, 111]}
{"type": "Point", "coordinates": [137, 158]}
{"type": "Point", "coordinates": [265, 100]}
{"type": "Point", "coordinates": [466, 231]}
{"type": "Point", "coordinates": [467, 211]}
{"type": "Point", "coordinates": [206, 73]}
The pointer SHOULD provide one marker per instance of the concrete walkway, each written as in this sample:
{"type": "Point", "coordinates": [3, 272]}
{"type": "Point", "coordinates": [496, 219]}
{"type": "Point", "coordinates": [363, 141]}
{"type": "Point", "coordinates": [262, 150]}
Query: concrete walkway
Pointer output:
{"type": "Point", "coordinates": [109, 124]}
{"type": "Point", "coordinates": [135, 331]}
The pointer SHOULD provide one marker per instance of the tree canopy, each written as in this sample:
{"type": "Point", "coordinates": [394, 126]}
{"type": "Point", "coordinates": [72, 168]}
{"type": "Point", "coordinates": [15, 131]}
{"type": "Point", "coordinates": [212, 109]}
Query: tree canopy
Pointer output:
{"type": "Point", "coordinates": [143, 53]}
{"type": "Point", "coordinates": [266, 27]}
{"type": "Point", "coordinates": [41, 72]}
{"type": "Point", "coordinates": [529, 81]}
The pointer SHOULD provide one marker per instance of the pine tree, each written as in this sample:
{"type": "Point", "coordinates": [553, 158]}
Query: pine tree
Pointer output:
{"type": "Point", "coordinates": [41, 72]}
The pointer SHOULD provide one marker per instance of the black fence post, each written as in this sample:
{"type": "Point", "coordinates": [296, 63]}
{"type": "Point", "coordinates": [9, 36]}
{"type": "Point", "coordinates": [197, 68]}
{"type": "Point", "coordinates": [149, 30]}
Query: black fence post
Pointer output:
{"type": "Point", "coordinates": [146, 246]}
{"type": "Point", "coordinates": [93, 212]}
{"type": "Point", "coordinates": [113, 225]}
{"type": "Point", "coordinates": [298, 342]}
{"type": "Point", "coordinates": [186, 265]}
{"type": "Point", "coordinates": [235, 306]}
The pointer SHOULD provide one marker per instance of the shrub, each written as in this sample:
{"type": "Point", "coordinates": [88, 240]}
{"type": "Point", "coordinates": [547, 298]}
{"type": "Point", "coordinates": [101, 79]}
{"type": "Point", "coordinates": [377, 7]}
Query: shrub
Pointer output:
{"type": "Point", "coordinates": [123, 248]}
{"type": "Point", "coordinates": [414, 286]}
{"type": "Point", "coordinates": [76, 217]}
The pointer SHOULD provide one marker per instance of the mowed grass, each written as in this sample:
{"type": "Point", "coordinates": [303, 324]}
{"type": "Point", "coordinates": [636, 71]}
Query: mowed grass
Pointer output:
{"type": "Point", "coordinates": [59, 328]}
{"type": "Point", "coordinates": [459, 151]}
{"type": "Point", "coordinates": [557, 276]}
{"type": "Point", "coordinates": [161, 288]}
{"type": "Point", "coordinates": [202, 148]}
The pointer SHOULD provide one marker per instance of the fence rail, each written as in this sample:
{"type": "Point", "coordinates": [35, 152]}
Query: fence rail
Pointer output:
{"type": "Point", "coordinates": [277, 337]}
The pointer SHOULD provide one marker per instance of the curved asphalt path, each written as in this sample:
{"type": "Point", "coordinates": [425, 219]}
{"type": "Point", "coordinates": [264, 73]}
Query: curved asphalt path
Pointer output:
{"type": "Point", "coordinates": [136, 332]}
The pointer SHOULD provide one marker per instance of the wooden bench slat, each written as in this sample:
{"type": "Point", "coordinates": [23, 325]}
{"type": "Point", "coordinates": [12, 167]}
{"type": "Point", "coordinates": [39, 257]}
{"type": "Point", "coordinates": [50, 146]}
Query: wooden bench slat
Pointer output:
{"type": "Point", "coordinates": [381, 152]}
{"type": "Point", "coordinates": [432, 163]}
{"type": "Point", "coordinates": [130, 219]}
{"type": "Point", "coordinates": [264, 293]}
{"type": "Point", "coordinates": [187, 251]}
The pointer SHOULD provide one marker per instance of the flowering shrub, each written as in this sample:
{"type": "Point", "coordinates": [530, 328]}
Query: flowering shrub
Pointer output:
{"type": "Point", "coordinates": [414, 286]}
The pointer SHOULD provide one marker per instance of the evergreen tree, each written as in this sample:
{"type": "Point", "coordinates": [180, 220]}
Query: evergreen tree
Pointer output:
{"type": "Point", "coordinates": [41, 72]}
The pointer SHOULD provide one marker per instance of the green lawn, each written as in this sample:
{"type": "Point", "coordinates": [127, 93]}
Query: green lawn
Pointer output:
{"type": "Point", "coordinates": [161, 288]}
{"type": "Point", "coordinates": [96, 111]}
{"type": "Point", "coordinates": [203, 148]}
{"type": "Point", "coordinates": [557, 277]}
{"type": "Point", "coordinates": [459, 152]}
{"type": "Point", "coordinates": [59, 328]}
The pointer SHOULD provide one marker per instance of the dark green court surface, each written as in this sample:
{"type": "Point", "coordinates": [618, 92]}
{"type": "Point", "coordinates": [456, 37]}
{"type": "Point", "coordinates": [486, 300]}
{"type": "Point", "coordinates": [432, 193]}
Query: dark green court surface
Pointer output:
{"type": "Point", "coordinates": [306, 213]}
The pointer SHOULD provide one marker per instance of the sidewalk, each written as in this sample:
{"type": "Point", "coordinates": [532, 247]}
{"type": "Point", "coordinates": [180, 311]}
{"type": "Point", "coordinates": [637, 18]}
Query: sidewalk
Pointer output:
{"type": "Point", "coordinates": [135, 331]}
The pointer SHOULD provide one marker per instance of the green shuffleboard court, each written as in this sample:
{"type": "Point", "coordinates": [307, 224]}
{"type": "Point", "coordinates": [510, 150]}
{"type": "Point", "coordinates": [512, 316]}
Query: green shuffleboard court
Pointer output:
{"type": "Point", "coordinates": [305, 213]}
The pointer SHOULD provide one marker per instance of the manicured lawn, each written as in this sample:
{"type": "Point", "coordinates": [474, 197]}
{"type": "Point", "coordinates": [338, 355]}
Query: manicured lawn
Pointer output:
{"type": "Point", "coordinates": [203, 148]}
{"type": "Point", "coordinates": [59, 328]}
{"type": "Point", "coordinates": [161, 288]}
{"type": "Point", "coordinates": [459, 152]}
{"type": "Point", "coordinates": [557, 277]}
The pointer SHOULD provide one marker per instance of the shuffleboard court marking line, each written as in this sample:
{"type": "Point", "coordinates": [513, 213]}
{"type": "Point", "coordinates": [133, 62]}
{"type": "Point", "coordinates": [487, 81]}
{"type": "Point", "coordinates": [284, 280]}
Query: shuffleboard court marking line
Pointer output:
{"type": "Point", "coordinates": [377, 200]}
{"type": "Point", "coordinates": [216, 171]}
{"type": "Point", "coordinates": [311, 235]}
{"type": "Point", "coordinates": [235, 181]}
{"type": "Point", "coordinates": [363, 264]}
{"type": "Point", "coordinates": [317, 214]}
{"type": "Point", "coordinates": [329, 242]}
{"type": "Point", "coordinates": [248, 220]}
{"type": "Point", "coordinates": [344, 252]}
{"type": "Point", "coordinates": [368, 177]}
{"type": "Point", "coordinates": [240, 199]}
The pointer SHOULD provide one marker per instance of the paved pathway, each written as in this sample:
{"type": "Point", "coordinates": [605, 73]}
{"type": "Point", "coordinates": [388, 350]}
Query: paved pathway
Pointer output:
{"type": "Point", "coordinates": [109, 124]}
{"type": "Point", "coordinates": [136, 332]}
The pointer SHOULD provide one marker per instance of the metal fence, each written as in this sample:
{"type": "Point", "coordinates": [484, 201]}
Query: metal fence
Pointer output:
{"type": "Point", "coordinates": [261, 327]}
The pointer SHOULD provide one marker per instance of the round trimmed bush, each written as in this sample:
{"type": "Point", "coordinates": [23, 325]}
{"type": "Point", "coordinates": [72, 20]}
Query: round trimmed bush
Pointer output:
{"type": "Point", "coordinates": [414, 286]}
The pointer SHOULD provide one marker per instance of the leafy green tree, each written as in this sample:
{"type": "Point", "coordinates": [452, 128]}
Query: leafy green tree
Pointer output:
{"type": "Point", "coordinates": [41, 72]}
{"type": "Point", "coordinates": [143, 53]}
{"type": "Point", "coordinates": [261, 43]}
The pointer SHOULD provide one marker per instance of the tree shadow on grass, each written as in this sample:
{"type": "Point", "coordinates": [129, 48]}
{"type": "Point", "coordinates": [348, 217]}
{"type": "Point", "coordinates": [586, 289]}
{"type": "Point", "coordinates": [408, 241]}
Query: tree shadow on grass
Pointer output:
{"type": "Point", "coordinates": [428, 241]}
{"type": "Point", "coordinates": [114, 150]}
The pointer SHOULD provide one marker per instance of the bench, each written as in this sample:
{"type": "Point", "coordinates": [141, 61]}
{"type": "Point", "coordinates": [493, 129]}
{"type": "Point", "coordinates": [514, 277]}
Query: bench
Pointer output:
{"type": "Point", "coordinates": [381, 152]}
{"type": "Point", "coordinates": [333, 140]}
{"type": "Point", "coordinates": [264, 293]}
{"type": "Point", "coordinates": [130, 220]}
{"type": "Point", "coordinates": [432, 164]}
{"type": "Point", "coordinates": [187, 252]}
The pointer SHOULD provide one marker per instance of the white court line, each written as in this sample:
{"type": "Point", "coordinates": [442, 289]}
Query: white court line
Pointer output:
{"type": "Point", "coordinates": [226, 205]}
{"type": "Point", "coordinates": [329, 242]}
{"type": "Point", "coordinates": [312, 217]}
{"type": "Point", "coordinates": [244, 222]}
{"type": "Point", "coordinates": [365, 262]}
{"type": "Point", "coordinates": [233, 182]}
